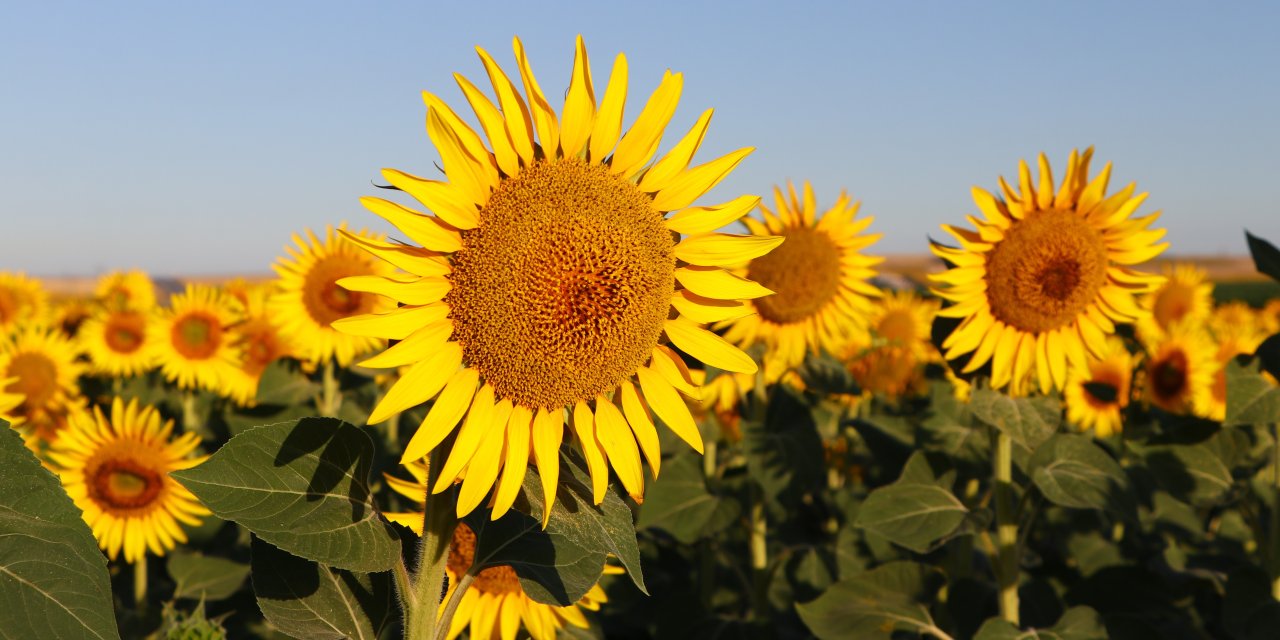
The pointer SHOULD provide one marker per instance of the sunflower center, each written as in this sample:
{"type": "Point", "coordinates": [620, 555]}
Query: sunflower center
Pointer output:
{"type": "Point", "coordinates": [37, 378]}
{"type": "Point", "coordinates": [1106, 388]}
{"type": "Point", "coordinates": [324, 299]}
{"type": "Point", "coordinates": [898, 327]}
{"type": "Point", "coordinates": [197, 335]}
{"type": "Point", "coordinates": [562, 291]}
{"type": "Point", "coordinates": [118, 298]}
{"type": "Point", "coordinates": [1173, 302]}
{"type": "Point", "coordinates": [1046, 271]}
{"type": "Point", "coordinates": [9, 305]}
{"type": "Point", "coordinates": [124, 332]}
{"type": "Point", "coordinates": [493, 580]}
{"type": "Point", "coordinates": [124, 484]}
{"type": "Point", "coordinates": [260, 346]}
{"type": "Point", "coordinates": [1169, 375]}
{"type": "Point", "coordinates": [803, 272]}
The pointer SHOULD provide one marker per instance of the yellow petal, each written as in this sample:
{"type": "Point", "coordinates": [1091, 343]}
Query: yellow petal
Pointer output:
{"type": "Point", "coordinates": [597, 466]}
{"type": "Point", "coordinates": [671, 367]}
{"type": "Point", "coordinates": [494, 125]}
{"type": "Point", "coordinates": [722, 249]}
{"type": "Point", "coordinates": [615, 437]}
{"type": "Point", "coordinates": [420, 383]}
{"type": "Point", "coordinates": [705, 219]}
{"type": "Point", "coordinates": [418, 291]}
{"type": "Point", "coordinates": [419, 262]}
{"type": "Point", "coordinates": [708, 347]}
{"type": "Point", "coordinates": [419, 345]}
{"type": "Point", "coordinates": [393, 325]}
{"type": "Point", "coordinates": [482, 471]}
{"type": "Point", "coordinates": [516, 114]}
{"type": "Point", "coordinates": [548, 429]}
{"type": "Point", "coordinates": [716, 283]}
{"type": "Point", "coordinates": [641, 141]}
{"type": "Point", "coordinates": [473, 430]}
{"type": "Point", "coordinates": [682, 190]}
{"type": "Point", "coordinates": [608, 123]}
{"type": "Point", "coordinates": [517, 460]}
{"type": "Point", "coordinates": [707, 310]}
{"type": "Point", "coordinates": [678, 158]}
{"type": "Point", "coordinates": [579, 104]}
{"type": "Point", "coordinates": [442, 198]}
{"type": "Point", "coordinates": [467, 174]}
{"type": "Point", "coordinates": [637, 415]}
{"type": "Point", "coordinates": [448, 409]}
{"type": "Point", "coordinates": [669, 407]}
{"type": "Point", "coordinates": [466, 135]}
{"type": "Point", "coordinates": [422, 229]}
{"type": "Point", "coordinates": [544, 117]}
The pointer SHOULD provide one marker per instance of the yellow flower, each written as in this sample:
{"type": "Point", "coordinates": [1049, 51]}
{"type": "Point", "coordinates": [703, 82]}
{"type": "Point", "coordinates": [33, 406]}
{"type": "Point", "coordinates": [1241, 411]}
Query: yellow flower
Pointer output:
{"type": "Point", "coordinates": [1179, 371]}
{"type": "Point", "coordinates": [41, 366]}
{"type": "Point", "coordinates": [309, 299]}
{"type": "Point", "coordinates": [1232, 338]}
{"type": "Point", "coordinates": [1045, 276]}
{"type": "Point", "coordinates": [1234, 318]}
{"type": "Point", "coordinates": [904, 319]}
{"type": "Point", "coordinates": [21, 299]}
{"type": "Point", "coordinates": [547, 279]}
{"type": "Point", "coordinates": [260, 341]}
{"type": "Point", "coordinates": [118, 342]}
{"type": "Point", "coordinates": [1269, 317]}
{"type": "Point", "coordinates": [195, 347]}
{"type": "Point", "coordinates": [117, 472]}
{"type": "Point", "coordinates": [1097, 396]}
{"type": "Point", "coordinates": [121, 290]}
{"type": "Point", "coordinates": [1185, 295]}
{"type": "Point", "coordinates": [818, 275]}
{"type": "Point", "coordinates": [9, 400]}
{"type": "Point", "coordinates": [69, 314]}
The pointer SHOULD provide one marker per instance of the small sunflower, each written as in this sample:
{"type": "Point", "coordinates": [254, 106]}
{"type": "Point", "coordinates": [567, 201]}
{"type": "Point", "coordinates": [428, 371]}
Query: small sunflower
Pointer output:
{"type": "Point", "coordinates": [888, 370]}
{"type": "Point", "coordinates": [1096, 397]}
{"type": "Point", "coordinates": [818, 275]}
{"type": "Point", "coordinates": [495, 606]}
{"type": "Point", "coordinates": [21, 299]}
{"type": "Point", "coordinates": [121, 290]}
{"type": "Point", "coordinates": [1269, 317]}
{"type": "Point", "coordinates": [117, 472]}
{"type": "Point", "coordinates": [548, 280]}
{"type": "Point", "coordinates": [41, 366]}
{"type": "Point", "coordinates": [1186, 294]}
{"type": "Point", "coordinates": [904, 319]}
{"type": "Point", "coordinates": [1231, 340]}
{"type": "Point", "coordinates": [118, 342]}
{"type": "Point", "coordinates": [260, 341]}
{"type": "Point", "coordinates": [1234, 319]}
{"type": "Point", "coordinates": [1179, 370]}
{"type": "Point", "coordinates": [194, 344]}
{"type": "Point", "coordinates": [309, 298]}
{"type": "Point", "coordinates": [1045, 277]}
{"type": "Point", "coordinates": [69, 314]}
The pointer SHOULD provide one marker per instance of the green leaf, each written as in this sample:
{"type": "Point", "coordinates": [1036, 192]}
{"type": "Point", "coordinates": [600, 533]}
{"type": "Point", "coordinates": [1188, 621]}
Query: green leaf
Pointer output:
{"type": "Point", "coordinates": [560, 564]}
{"type": "Point", "coordinates": [304, 487]}
{"type": "Point", "coordinates": [1028, 421]}
{"type": "Point", "coordinates": [1189, 472]}
{"type": "Point", "coordinates": [1078, 623]}
{"type": "Point", "coordinates": [781, 449]}
{"type": "Point", "coordinates": [1071, 471]}
{"type": "Point", "coordinates": [283, 384]}
{"type": "Point", "coordinates": [915, 516]}
{"type": "Point", "coordinates": [1251, 398]}
{"type": "Point", "coordinates": [895, 596]}
{"type": "Point", "coordinates": [204, 577]}
{"type": "Point", "coordinates": [1266, 257]}
{"type": "Point", "coordinates": [53, 577]}
{"type": "Point", "coordinates": [312, 601]}
{"type": "Point", "coordinates": [678, 501]}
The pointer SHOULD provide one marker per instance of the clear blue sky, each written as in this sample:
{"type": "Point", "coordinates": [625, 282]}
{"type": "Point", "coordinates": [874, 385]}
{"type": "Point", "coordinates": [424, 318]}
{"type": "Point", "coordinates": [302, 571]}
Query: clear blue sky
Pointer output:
{"type": "Point", "coordinates": [195, 137]}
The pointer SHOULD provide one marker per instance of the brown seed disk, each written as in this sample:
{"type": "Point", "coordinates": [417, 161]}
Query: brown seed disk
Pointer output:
{"type": "Point", "coordinates": [123, 484]}
{"type": "Point", "coordinates": [803, 272]}
{"type": "Point", "coordinates": [324, 300]}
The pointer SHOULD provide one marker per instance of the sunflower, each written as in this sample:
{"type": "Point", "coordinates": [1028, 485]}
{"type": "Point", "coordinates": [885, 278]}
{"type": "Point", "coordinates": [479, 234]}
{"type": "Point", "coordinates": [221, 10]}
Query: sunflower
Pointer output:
{"type": "Point", "coordinates": [118, 342]}
{"type": "Point", "coordinates": [904, 319]}
{"type": "Point", "coordinates": [547, 280]}
{"type": "Point", "coordinates": [259, 339]}
{"type": "Point", "coordinates": [889, 370]}
{"type": "Point", "coordinates": [1185, 294]}
{"type": "Point", "coordinates": [117, 472]}
{"type": "Point", "coordinates": [1097, 396]}
{"type": "Point", "coordinates": [1179, 370]}
{"type": "Point", "coordinates": [1231, 340]}
{"type": "Point", "coordinates": [194, 344]}
{"type": "Point", "coordinates": [120, 290]}
{"type": "Point", "coordinates": [1269, 317]}
{"type": "Point", "coordinates": [494, 606]}
{"type": "Point", "coordinates": [69, 314]}
{"type": "Point", "coordinates": [309, 299]}
{"type": "Point", "coordinates": [9, 400]}
{"type": "Point", "coordinates": [1234, 319]}
{"type": "Point", "coordinates": [818, 275]}
{"type": "Point", "coordinates": [1045, 277]}
{"type": "Point", "coordinates": [41, 366]}
{"type": "Point", "coordinates": [21, 298]}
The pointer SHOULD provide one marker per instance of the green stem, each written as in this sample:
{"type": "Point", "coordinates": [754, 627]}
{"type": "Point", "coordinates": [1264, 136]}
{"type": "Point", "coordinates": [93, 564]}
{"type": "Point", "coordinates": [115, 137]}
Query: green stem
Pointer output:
{"type": "Point", "coordinates": [192, 420]}
{"type": "Point", "coordinates": [330, 395]}
{"type": "Point", "coordinates": [140, 583]}
{"type": "Point", "coordinates": [428, 585]}
{"type": "Point", "coordinates": [451, 607]}
{"type": "Point", "coordinates": [1006, 528]}
{"type": "Point", "coordinates": [759, 554]}
{"type": "Point", "coordinates": [1274, 533]}
{"type": "Point", "coordinates": [706, 550]}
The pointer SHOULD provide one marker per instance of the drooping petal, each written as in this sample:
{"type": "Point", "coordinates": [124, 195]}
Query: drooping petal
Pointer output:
{"type": "Point", "coordinates": [448, 409]}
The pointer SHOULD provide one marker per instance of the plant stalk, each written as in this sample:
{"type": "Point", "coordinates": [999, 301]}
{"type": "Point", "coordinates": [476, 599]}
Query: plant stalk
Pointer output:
{"type": "Point", "coordinates": [759, 554]}
{"type": "Point", "coordinates": [330, 395]}
{"type": "Point", "coordinates": [192, 420]}
{"type": "Point", "coordinates": [140, 583]}
{"type": "Point", "coordinates": [428, 584]}
{"type": "Point", "coordinates": [451, 607]}
{"type": "Point", "coordinates": [1006, 528]}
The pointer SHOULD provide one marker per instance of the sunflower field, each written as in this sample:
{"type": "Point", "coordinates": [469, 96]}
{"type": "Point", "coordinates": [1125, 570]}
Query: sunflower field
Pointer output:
{"type": "Point", "coordinates": [570, 399]}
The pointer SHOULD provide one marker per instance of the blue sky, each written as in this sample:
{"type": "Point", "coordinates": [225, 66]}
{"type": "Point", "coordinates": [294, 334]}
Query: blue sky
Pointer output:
{"type": "Point", "coordinates": [194, 138]}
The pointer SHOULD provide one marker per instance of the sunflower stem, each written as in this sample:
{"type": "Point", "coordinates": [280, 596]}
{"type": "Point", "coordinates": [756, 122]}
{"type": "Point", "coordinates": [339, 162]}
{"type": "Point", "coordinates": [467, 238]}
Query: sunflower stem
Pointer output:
{"type": "Point", "coordinates": [706, 552]}
{"type": "Point", "coordinates": [451, 607]}
{"type": "Point", "coordinates": [1006, 528]}
{"type": "Point", "coordinates": [140, 583]}
{"type": "Point", "coordinates": [192, 419]}
{"type": "Point", "coordinates": [1274, 534]}
{"type": "Point", "coordinates": [330, 396]}
{"type": "Point", "coordinates": [759, 553]}
{"type": "Point", "coordinates": [429, 582]}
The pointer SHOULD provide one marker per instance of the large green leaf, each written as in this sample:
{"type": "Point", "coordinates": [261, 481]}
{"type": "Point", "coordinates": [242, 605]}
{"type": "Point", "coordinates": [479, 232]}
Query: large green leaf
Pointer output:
{"type": "Point", "coordinates": [1028, 421]}
{"type": "Point", "coordinates": [311, 601]}
{"type": "Point", "coordinates": [1251, 398]}
{"type": "Point", "coordinates": [874, 604]}
{"type": "Point", "coordinates": [53, 578]}
{"type": "Point", "coordinates": [913, 515]}
{"type": "Point", "coordinates": [783, 448]}
{"type": "Point", "coordinates": [1189, 472]}
{"type": "Point", "coordinates": [679, 503]}
{"type": "Point", "coordinates": [1071, 471]}
{"type": "Point", "coordinates": [302, 486]}
{"type": "Point", "coordinates": [204, 577]}
{"type": "Point", "coordinates": [1266, 257]}
{"type": "Point", "coordinates": [560, 564]}
{"type": "Point", "coordinates": [1078, 623]}
{"type": "Point", "coordinates": [283, 384]}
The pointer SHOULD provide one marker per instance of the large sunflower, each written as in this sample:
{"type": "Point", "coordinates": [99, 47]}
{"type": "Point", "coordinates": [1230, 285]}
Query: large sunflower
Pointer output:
{"type": "Point", "coordinates": [120, 290]}
{"type": "Point", "coordinates": [1097, 396]}
{"type": "Point", "coordinates": [547, 280]}
{"type": "Point", "coordinates": [117, 472]}
{"type": "Point", "coordinates": [494, 606]}
{"type": "Point", "coordinates": [118, 342]}
{"type": "Point", "coordinates": [259, 339]}
{"type": "Point", "coordinates": [1179, 370]}
{"type": "Point", "coordinates": [194, 344]}
{"type": "Point", "coordinates": [41, 366]}
{"type": "Point", "coordinates": [309, 299]}
{"type": "Point", "coordinates": [819, 276]}
{"type": "Point", "coordinates": [21, 299]}
{"type": "Point", "coordinates": [1045, 276]}
{"type": "Point", "coordinates": [1185, 294]}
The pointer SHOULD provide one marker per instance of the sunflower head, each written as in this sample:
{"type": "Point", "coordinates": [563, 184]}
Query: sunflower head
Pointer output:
{"type": "Point", "coordinates": [69, 314]}
{"type": "Point", "coordinates": [1179, 370]}
{"type": "Point", "coordinates": [1045, 274]}
{"type": "Point", "coordinates": [195, 346]}
{"type": "Point", "coordinates": [1186, 293]}
{"type": "Point", "coordinates": [21, 299]}
{"type": "Point", "coordinates": [116, 469]}
{"type": "Point", "coordinates": [121, 290]}
{"type": "Point", "coordinates": [819, 277]}
{"type": "Point", "coordinates": [547, 278]}
{"type": "Point", "coordinates": [1095, 397]}
{"type": "Point", "coordinates": [118, 342]}
{"type": "Point", "coordinates": [1234, 318]}
{"type": "Point", "coordinates": [904, 319]}
{"type": "Point", "coordinates": [258, 338]}
{"type": "Point", "coordinates": [40, 365]}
